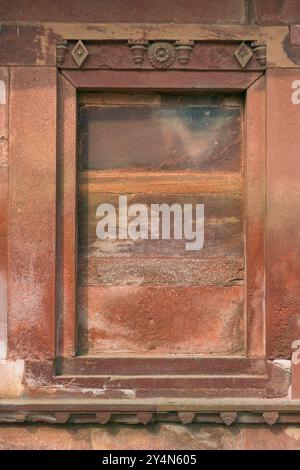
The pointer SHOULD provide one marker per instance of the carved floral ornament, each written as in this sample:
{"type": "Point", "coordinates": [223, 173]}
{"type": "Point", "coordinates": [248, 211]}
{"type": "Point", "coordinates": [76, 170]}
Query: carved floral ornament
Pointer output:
{"type": "Point", "coordinates": [163, 54]}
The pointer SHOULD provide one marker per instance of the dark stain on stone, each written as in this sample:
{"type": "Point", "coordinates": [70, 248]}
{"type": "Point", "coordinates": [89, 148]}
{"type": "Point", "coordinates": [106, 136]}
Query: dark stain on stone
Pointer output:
{"type": "Point", "coordinates": [293, 52]}
{"type": "Point", "coordinates": [27, 45]}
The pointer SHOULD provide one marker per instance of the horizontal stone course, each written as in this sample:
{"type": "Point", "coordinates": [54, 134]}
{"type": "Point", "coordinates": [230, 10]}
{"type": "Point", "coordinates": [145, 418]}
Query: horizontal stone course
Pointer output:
{"type": "Point", "coordinates": [273, 12]}
{"type": "Point", "coordinates": [135, 11]}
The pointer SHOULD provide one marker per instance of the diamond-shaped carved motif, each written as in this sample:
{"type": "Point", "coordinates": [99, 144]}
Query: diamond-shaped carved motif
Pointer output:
{"type": "Point", "coordinates": [79, 53]}
{"type": "Point", "coordinates": [243, 54]}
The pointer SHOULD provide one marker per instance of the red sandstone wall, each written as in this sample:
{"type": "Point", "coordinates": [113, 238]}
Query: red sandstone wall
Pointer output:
{"type": "Point", "coordinates": [155, 437]}
{"type": "Point", "coordinates": [28, 36]}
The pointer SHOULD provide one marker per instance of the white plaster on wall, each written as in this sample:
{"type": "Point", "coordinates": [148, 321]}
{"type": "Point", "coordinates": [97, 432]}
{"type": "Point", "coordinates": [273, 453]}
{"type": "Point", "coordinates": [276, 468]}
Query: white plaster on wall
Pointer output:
{"type": "Point", "coordinates": [2, 92]}
{"type": "Point", "coordinates": [285, 364]}
{"type": "Point", "coordinates": [3, 317]}
{"type": "Point", "coordinates": [11, 378]}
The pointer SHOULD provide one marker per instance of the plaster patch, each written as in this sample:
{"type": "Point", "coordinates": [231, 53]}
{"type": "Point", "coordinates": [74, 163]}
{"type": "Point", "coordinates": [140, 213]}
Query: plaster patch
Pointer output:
{"type": "Point", "coordinates": [11, 378]}
{"type": "Point", "coordinates": [293, 431]}
{"type": "Point", "coordinates": [285, 364]}
{"type": "Point", "coordinates": [2, 92]}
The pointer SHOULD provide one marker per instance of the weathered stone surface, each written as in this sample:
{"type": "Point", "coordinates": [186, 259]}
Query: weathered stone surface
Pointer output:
{"type": "Point", "coordinates": [37, 437]}
{"type": "Point", "coordinates": [223, 226]}
{"type": "Point", "coordinates": [255, 226]}
{"type": "Point", "coordinates": [276, 437]}
{"type": "Point", "coordinates": [167, 436]}
{"type": "Point", "coordinates": [32, 211]}
{"type": "Point", "coordinates": [295, 35]}
{"type": "Point", "coordinates": [283, 211]}
{"type": "Point", "coordinates": [151, 436]}
{"type": "Point", "coordinates": [291, 48]}
{"type": "Point", "coordinates": [160, 272]}
{"type": "Point", "coordinates": [36, 44]}
{"type": "Point", "coordinates": [27, 44]}
{"type": "Point", "coordinates": [154, 79]}
{"type": "Point", "coordinates": [295, 392]}
{"type": "Point", "coordinates": [276, 11]}
{"type": "Point", "coordinates": [11, 378]}
{"type": "Point", "coordinates": [188, 134]}
{"type": "Point", "coordinates": [4, 102]}
{"type": "Point", "coordinates": [293, 336]}
{"type": "Point", "coordinates": [3, 260]}
{"type": "Point", "coordinates": [135, 11]}
{"type": "Point", "coordinates": [279, 380]}
{"type": "Point", "coordinates": [66, 217]}
{"type": "Point", "coordinates": [161, 319]}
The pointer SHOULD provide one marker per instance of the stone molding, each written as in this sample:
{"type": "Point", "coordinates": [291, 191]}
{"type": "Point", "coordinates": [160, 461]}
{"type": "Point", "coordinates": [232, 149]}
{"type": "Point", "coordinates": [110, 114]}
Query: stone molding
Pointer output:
{"type": "Point", "coordinates": [161, 54]}
{"type": "Point", "coordinates": [222, 411]}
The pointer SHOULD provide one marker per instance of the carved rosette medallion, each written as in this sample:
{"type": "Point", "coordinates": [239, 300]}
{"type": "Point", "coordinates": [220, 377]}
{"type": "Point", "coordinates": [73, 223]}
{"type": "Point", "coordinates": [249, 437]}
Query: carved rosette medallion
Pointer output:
{"type": "Point", "coordinates": [161, 55]}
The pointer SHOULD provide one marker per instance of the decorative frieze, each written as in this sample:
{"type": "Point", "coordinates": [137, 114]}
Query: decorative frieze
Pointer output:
{"type": "Point", "coordinates": [161, 55]}
{"type": "Point", "coordinates": [144, 417]}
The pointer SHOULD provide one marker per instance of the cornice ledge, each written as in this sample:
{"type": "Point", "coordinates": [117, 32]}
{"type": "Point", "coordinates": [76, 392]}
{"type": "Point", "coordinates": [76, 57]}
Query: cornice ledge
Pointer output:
{"type": "Point", "coordinates": [133, 411]}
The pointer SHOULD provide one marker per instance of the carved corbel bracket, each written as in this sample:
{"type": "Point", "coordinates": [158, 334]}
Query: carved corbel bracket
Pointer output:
{"type": "Point", "coordinates": [270, 417]}
{"type": "Point", "coordinates": [61, 50]}
{"type": "Point", "coordinates": [144, 417]}
{"type": "Point", "coordinates": [184, 51]}
{"type": "Point", "coordinates": [103, 417]}
{"type": "Point", "coordinates": [186, 417]}
{"type": "Point", "coordinates": [228, 417]}
{"type": "Point", "coordinates": [259, 49]}
{"type": "Point", "coordinates": [138, 49]}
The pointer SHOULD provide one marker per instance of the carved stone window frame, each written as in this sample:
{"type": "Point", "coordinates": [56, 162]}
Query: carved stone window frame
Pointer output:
{"type": "Point", "coordinates": [216, 66]}
{"type": "Point", "coordinates": [78, 385]}
{"type": "Point", "coordinates": [55, 397]}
